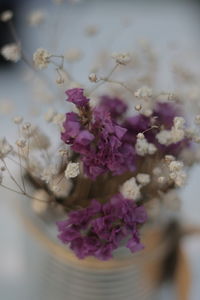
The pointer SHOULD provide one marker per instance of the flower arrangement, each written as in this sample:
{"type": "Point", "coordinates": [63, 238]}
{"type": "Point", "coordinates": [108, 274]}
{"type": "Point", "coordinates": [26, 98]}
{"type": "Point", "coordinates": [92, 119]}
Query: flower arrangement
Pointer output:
{"type": "Point", "coordinates": [117, 157]}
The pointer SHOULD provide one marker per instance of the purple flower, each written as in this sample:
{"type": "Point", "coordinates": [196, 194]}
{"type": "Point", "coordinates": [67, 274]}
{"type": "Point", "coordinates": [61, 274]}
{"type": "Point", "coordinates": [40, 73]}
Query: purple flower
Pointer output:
{"type": "Point", "coordinates": [114, 106]}
{"type": "Point", "coordinates": [100, 228]}
{"type": "Point", "coordinates": [77, 97]}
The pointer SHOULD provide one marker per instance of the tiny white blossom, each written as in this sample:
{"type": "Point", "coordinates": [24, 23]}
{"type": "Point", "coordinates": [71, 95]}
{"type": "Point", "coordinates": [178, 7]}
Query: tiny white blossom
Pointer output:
{"type": "Point", "coordinates": [138, 107]}
{"type": "Point", "coordinates": [72, 170]}
{"type": "Point", "coordinates": [157, 171]}
{"type": "Point", "coordinates": [73, 55]}
{"type": "Point", "coordinates": [141, 146]}
{"type": "Point", "coordinates": [21, 143]}
{"type": "Point", "coordinates": [179, 178]}
{"type": "Point", "coordinates": [164, 137]}
{"type": "Point", "coordinates": [121, 58]}
{"type": "Point", "coordinates": [41, 58]}
{"type": "Point", "coordinates": [11, 52]}
{"type": "Point", "coordinates": [175, 166]}
{"type": "Point", "coordinates": [60, 186]}
{"type": "Point", "coordinates": [169, 158]}
{"type": "Point", "coordinates": [143, 92]}
{"type": "Point", "coordinates": [151, 149]}
{"type": "Point", "coordinates": [18, 120]}
{"type": "Point", "coordinates": [36, 17]}
{"type": "Point", "coordinates": [161, 179]}
{"type": "Point", "coordinates": [6, 16]}
{"type": "Point", "coordinates": [48, 173]}
{"type": "Point", "coordinates": [5, 148]}
{"type": "Point", "coordinates": [130, 189]}
{"type": "Point", "coordinates": [179, 122]}
{"type": "Point", "coordinates": [49, 115]}
{"type": "Point", "coordinates": [93, 77]}
{"type": "Point", "coordinates": [143, 178]}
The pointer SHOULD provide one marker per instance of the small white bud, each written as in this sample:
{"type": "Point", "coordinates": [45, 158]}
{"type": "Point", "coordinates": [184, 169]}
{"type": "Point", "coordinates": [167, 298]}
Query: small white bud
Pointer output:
{"type": "Point", "coordinates": [18, 120]}
{"type": "Point", "coordinates": [6, 16]}
{"type": "Point", "coordinates": [93, 77]}
{"type": "Point", "coordinates": [72, 170]}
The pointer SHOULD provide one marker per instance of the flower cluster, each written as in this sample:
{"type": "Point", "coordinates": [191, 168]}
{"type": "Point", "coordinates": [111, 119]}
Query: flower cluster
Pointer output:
{"type": "Point", "coordinates": [97, 137]}
{"type": "Point", "coordinates": [99, 229]}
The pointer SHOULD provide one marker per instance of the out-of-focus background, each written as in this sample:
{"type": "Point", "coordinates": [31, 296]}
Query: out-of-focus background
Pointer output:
{"type": "Point", "coordinates": [171, 27]}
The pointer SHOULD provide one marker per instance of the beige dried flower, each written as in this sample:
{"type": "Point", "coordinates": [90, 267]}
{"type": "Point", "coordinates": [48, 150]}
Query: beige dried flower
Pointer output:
{"type": "Point", "coordinates": [121, 58]}
{"type": "Point", "coordinates": [60, 186]}
{"type": "Point", "coordinates": [5, 148]}
{"type": "Point", "coordinates": [72, 170]}
{"type": "Point", "coordinates": [18, 120]}
{"type": "Point", "coordinates": [48, 173]}
{"type": "Point", "coordinates": [21, 143]}
{"type": "Point", "coordinates": [93, 77]}
{"type": "Point", "coordinates": [143, 178]}
{"type": "Point", "coordinates": [11, 52]}
{"type": "Point", "coordinates": [36, 18]}
{"type": "Point", "coordinates": [143, 93]}
{"type": "Point", "coordinates": [130, 189]}
{"type": "Point", "coordinates": [6, 16]}
{"type": "Point", "coordinates": [41, 58]}
{"type": "Point", "coordinates": [73, 55]}
{"type": "Point", "coordinates": [91, 30]}
{"type": "Point", "coordinates": [49, 115]}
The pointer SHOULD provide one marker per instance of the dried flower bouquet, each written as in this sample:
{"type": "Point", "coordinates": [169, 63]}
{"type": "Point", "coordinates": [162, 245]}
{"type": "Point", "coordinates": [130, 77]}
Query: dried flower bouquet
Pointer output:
{"type": "Point", "coordinates": [112, 169]}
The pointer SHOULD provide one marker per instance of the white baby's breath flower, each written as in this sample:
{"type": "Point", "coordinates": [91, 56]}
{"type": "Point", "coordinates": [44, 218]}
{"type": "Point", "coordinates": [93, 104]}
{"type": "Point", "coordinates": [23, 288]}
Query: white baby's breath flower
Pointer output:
{"type": "Point", "coordinates": [175, 166]}
{"type": "Point", "coordinates": [93, 77]}
{"type": "Point", "coordinates": [161, 179]}
{"type": "Point", "coordinates": [21, 143]}
{"type": "Point", "coordinates": [141, 146]}
{"type": "Point", "coordinates": [157, 171]}
{"type": "Point", "coordinates": [164, 137]}
{"type": "Point", "coordinates": [143, 92]}
{"type": "Point", "coordinates": [6, 16]}
{"type": "Point", "coordinates": [36, 17]}
{"type": "Point", "coordinates": [91, 30]}
{"type": "Point", "coordinates": [180, 178]}
{"type": "Point", "coordinates": [41, 58]}
{"type": "Point", "coordinates": [179, 122]}
{"type": "Point", "coordinates": [11, 52]}
{"type": "Point", "coordinates": [73, 55]}
{"type": "Point", "coordinates": [130, 189]}
{"type": "Point", "coordinates": [49, 115]}
{"type": "Point", "coordinates": [58, 119]}
{"type": "Point", "coordinates": [18, 120]}
{"type": "Point", "coordinates": [5, 148]}
{"type": "Point", "coordinates": [151, 149]}
{"type": "Point", "coordinates": [121, 58]}
{"type": "Point", "coordinates": [39, 140]}
{"type": "Point", "coordinates": [138, 107]}
{"type": "Point", "coordinates": [60, 186]}
{"type": "Point", "coordinates": [143, 178]}
{"type": "Point", "coordinates": [169, 158]}
{"type": "Point", "coordinates": [48, 173]}
{"type": "Point", "coordinates": [72, 170]}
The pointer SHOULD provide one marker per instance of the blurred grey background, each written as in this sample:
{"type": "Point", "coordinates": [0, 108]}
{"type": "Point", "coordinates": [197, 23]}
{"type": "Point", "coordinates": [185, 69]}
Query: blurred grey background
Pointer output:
{"type": "Point", "coordinates": [173, 29]}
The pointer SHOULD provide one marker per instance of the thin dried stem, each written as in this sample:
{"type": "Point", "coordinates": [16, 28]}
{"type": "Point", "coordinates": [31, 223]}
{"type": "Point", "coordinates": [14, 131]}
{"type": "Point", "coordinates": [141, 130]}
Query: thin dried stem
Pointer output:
{"type": "Point", "coordinates": [102, 81]}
